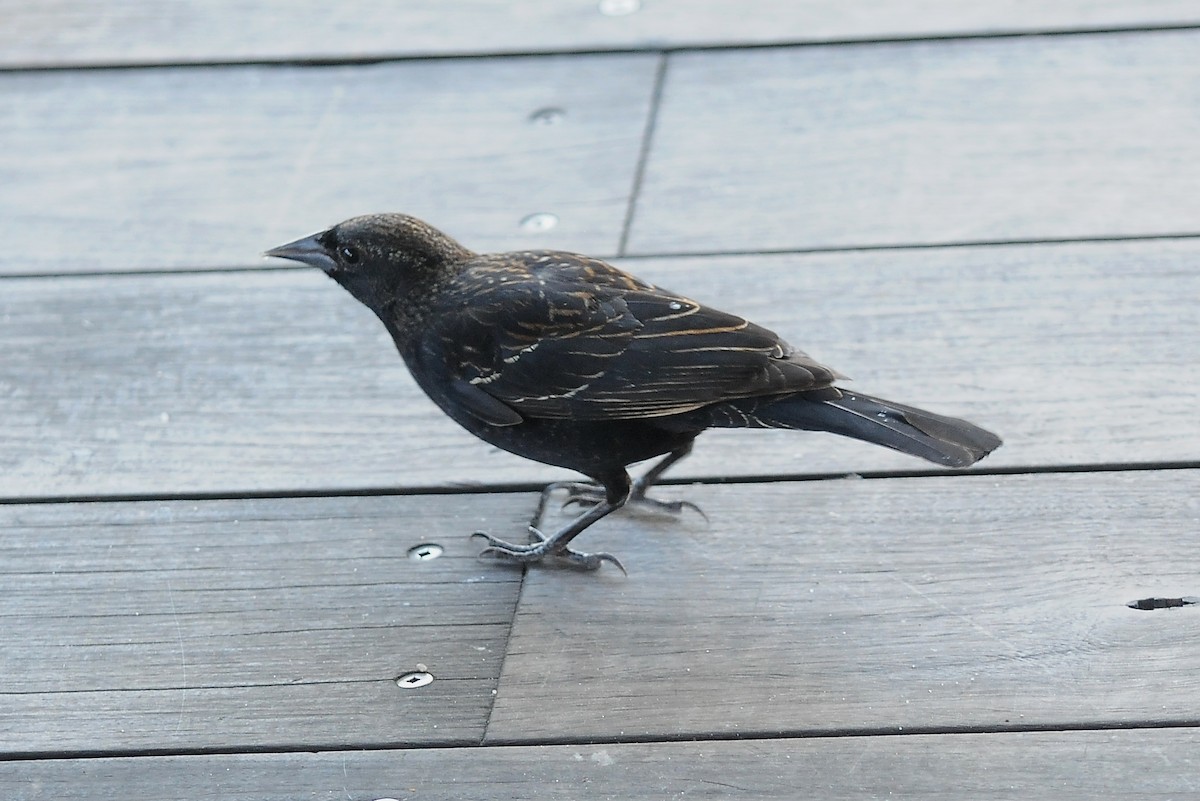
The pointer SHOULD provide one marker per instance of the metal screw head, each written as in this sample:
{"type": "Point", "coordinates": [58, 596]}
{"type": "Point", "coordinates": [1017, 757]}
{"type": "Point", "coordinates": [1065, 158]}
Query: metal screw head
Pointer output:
{"type": "Point", "coordinates": [424, 552]}
{"type": "Point", "coordinates": [411, 681]}
{"type": "Point", "coordinates": [551, 115]}
{"type": "Point", "coordinates": [619, 8]}
{"type": "Point", "coordinates": [540, 221]}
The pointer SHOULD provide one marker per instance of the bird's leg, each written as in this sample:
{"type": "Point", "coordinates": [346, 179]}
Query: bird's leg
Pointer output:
{"type": "Point", "coordinates": [616, 493]}
{"type": "Point", "coordinates": [583, 494]}
{"type": "Point", "coordinates": [638, 493]}
{"type": "Point", "coordinates": [595, 490]}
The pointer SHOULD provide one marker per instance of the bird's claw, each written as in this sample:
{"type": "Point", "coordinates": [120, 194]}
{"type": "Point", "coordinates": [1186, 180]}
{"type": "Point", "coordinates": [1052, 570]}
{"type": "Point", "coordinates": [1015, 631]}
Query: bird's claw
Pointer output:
{"type": "Point", "coordinates": [536, 551]}
{"type": "Point", "coordinates": [590, 495]}
{"type": "Point", "coordinates": [581, 494]}
{"type": "Point", "coordinates": [679, 506]}
{"type": "Point", "coordinates": [591, 561]}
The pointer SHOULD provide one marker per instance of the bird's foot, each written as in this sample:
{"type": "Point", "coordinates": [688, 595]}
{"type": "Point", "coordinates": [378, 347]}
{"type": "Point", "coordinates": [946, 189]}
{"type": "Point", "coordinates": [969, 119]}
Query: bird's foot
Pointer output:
{"type": "Point", "coordinates": [590, 494]}
{"type": "Point", "coordinates": [541, 548]}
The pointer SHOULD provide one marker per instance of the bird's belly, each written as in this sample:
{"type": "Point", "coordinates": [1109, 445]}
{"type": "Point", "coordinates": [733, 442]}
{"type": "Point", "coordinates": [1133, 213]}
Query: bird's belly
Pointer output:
{"type": "Point", "coordinates": [587, 446]}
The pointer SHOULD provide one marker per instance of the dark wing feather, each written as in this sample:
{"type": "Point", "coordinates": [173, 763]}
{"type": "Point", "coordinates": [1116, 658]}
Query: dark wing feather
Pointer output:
{"type": "Point", "coordinates": [575, 338]}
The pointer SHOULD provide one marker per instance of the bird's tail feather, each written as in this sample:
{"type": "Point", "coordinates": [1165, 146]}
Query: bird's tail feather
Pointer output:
{"type": "Point", "coordinates": [943, 440]}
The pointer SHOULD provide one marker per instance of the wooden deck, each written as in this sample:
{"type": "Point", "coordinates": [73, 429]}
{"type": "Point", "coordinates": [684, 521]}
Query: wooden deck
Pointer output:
{"type": "Point", "coordinates": [214, 470]}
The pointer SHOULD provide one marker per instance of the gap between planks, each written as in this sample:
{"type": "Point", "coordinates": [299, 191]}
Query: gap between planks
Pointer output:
{"type": "Point", "coordinates": [551, 742]}
{"type": "Point", "coordinates": [536, 486]}
{"type": "Point", "coordinates": [665, 51]}
{"type": "Point", "coordinates": [666, 256]}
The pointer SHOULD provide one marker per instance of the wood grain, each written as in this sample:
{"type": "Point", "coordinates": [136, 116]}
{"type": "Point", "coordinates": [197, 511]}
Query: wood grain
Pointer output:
{"type": "Point", "coordinates": [250, 648]}
{"type": "Point", "coordinates": [920, 143]}
{"type": "Point", "coordinates": [1148, 764]}
{"type": "Point", "coordinates": [249, 624]}
{"type": "Point", "coordinates": [180, 168]}
{"type": "Point", "coordinates": [889, 605]}
{"type": "Point", "coordinates": [279, 380]}
{"type": "Point", "coordinates": [77, 32]}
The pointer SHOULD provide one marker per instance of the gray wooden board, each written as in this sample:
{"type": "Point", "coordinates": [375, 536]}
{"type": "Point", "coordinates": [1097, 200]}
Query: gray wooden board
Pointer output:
{"type": "Point", "coordinates": [154, 169]}
{"type": "Point", "coordinates": [869, 605]}
{"type": "Point", "coordinates": [249, 624]}
{"type": "Point", "coordinates": [79, 32]}
{"type": "Point", "coordinates": [932, 142]}
{"type": "Point", "coordinates": [1075, 354]}
{"type": "Point", "coordinates": [1144, 764]}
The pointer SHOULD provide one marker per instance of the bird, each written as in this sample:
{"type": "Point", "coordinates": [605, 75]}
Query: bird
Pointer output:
{"type": "Point", "coordinates": [567, 360]}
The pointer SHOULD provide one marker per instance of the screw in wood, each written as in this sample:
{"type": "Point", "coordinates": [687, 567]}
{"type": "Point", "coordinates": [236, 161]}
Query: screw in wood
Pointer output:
{"type": "Point", "coordinates": [540, 221]}
{"type": "Point", "coordinates": [551, 115]}
{"type": "Point", "coordinates": [411, 681]}
{"type": "Point", "coordinates": [424, 552]}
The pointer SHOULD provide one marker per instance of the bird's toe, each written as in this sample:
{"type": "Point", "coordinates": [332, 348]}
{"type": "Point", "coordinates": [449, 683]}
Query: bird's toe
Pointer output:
{"type": "Point", "coordinates": [535, 552]}
{"type": "Point", "coordinates": [641, 501]}
{"type": "Point", "coordinates": [579, 493]}
{"type": "Point", "coordinates": [592, 561]}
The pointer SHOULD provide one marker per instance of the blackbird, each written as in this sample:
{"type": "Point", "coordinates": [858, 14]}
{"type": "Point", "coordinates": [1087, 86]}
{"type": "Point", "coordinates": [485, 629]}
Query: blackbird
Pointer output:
{"type": "Point", "coordinates": [567, 360]}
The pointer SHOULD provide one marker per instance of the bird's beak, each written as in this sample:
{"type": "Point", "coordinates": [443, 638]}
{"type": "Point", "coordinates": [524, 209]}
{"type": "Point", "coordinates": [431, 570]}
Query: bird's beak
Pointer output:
{"type": "Point", "coordinates": [308, 250]}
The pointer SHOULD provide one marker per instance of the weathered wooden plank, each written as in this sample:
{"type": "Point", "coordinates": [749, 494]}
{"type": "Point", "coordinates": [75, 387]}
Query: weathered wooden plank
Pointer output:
{"type": "Point", "coordinates": [871, 605]}
{"type": "Point", "coordinates": [1016, 139]}
{"type": "Point", "coordinates": [1144, 764]}
{"type": "Point", "coordinates": [1076, 354]}
{"type": "Point", "coordinates": [77, 32]}
{"type": "Point", "coordinates": [249, 624]}
{"type": "Point", "coordinates": [154, 169]}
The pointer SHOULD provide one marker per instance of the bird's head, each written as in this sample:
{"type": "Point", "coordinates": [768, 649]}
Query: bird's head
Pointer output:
{"type": "Point", "coordinates": [377, 257]}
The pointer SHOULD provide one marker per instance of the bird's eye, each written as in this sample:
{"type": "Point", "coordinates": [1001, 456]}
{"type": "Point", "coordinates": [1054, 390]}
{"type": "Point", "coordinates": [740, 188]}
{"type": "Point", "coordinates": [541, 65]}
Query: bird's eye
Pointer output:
{"type": "Point", "coordinates": [348, 254]}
